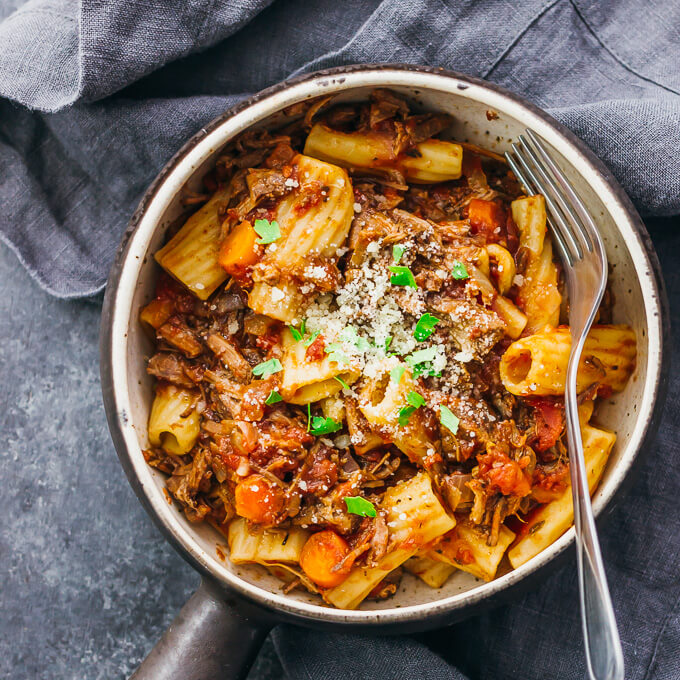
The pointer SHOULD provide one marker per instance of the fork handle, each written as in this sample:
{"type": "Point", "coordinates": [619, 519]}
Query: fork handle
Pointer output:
{"type": "Point", "coordinates": [603, 647]}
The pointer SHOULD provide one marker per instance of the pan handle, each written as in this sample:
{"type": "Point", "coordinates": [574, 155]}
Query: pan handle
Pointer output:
{"type": "Point", "coordinates": [210, 639]}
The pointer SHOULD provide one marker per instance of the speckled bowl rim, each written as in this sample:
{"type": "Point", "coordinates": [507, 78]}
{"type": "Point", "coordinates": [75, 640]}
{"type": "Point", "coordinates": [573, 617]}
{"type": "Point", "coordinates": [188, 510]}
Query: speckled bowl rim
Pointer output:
{"type": "Point", "coordinates": [123, 278]}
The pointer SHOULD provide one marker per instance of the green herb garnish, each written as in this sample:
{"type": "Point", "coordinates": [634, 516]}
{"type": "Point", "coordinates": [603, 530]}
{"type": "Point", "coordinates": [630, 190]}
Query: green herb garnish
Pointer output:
{"type": "Point", "coordinates": [297, 336]}
{"type": "Point", "coordinates": [415, 401]}
{"type": "Point", "coordinates": [421, 362]}
{"type": "Point", "coordinates": [309, 415]}
{"type": "Point", "coordinates": [397, 253]}
{"type": "Point", "coordinates": [421, 356]}
{"type": "Point", "coordinates": [267, 231]}
{"type": "Point", "coordinates": [322, 426]}
{"type": "Point", "coordinates": [405, 413]}
{"type": "Point", "coordinates": [396, 373]}
{"type": "Point", "coordinates": [459, 270]}
{"type": "Point", "coordinates": [341, 381]}
{"type": "Point", "coordinates": [360, 506]}
{"type": "Point", "coordinates": [351, 337]}
{"type": "Point", "coordinates": [388, 342]}
{"type": "Point", "coordinates": [267, 368]}
{"type": "Point", "coordinates": [425, 327]}
{"type": "Point", "coordinates": [335, 353]}
{"type": "Point", "coordinates": [311, 338]}
{"type": "Point", "coordinates": [448, 419]}
{"type": "Point", "coordinates": [402, 276]}
{"type": "Point", "coordinates": [273, 398]}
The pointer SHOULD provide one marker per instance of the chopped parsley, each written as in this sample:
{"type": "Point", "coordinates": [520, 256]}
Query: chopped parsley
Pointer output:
{"type": "Point", "coordinates": [311, 338]}
{"type": "Point", "coordinates": [267, 368]}
{"type": "Point", "coordinates": [342, 382]}
{"type": "Point", "coordinates": [421, 356]}
{"type": "Point", "coordinates": [388, 342]}
{"type": "Point", "coordinates": [421, 362]}
{"type": "Point", "coordinates": [297, 335]}
{"type": "Point", "coordinates": [322, 426]}
{"type": "Point", "coordinates": [267, 231]}
{"type": "Point", "coordinates": [273, 398]}
{"type": "Point", "coordinates": [360, 506]}
{"type": "Point", "coordinates": [402, 276]}
{"type": "Point", "coordinates": [309, 415]}
{"type": "Point", "coordinates": [415, 401]}
{"type": "Point", "coordinates": [396, 373]}
{"type": "Point", "coordinates": [351, 337]}
{"type": "Point", "coordinates": [448, 419]}
{"type": "Point", "coordinates": [335, 353]}
{"type": "Point", "coordinates": [425, 327]}
{"type": "Point", "coordinates": [405, 413]}
{"type": "Point", "coordinates": [459, 271]}
{"type": "Point", "coordinates": [397, 253]}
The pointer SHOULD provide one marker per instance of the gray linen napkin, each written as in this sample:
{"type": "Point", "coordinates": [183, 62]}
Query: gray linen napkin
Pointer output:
{"type": "Point", "coordinates": [109, 89]}
{"type": "Point", "coordinates": [95, 96]}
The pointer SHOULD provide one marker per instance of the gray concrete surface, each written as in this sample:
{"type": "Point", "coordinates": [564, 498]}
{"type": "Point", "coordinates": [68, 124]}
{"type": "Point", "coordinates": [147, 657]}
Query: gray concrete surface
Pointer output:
{"type": "Point", "coordinates": [87, 584]}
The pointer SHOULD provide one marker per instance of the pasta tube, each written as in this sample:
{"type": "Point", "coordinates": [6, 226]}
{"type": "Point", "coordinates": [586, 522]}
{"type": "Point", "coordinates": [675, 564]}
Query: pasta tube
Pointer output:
{"type": "Point", "coordinates": [538, 295]}
{"type": "Point", "coordinates": [303, 380]}
{"type": "Point", "coordinates": [432, 572]}
{"type": "Point", "coordinates": [549, 522]}
{"type": "Point", "coordinates": [465, 548]}
{"type": "Point", "coordinates": [307, 231]}
{"type": "Point", "coordinates": [191, 255]}
{"type": "Point", "coordinates": [530, 217]}
{"type": "Point", "coordinates": [515, 320]}
{"type": "Point", "coordinates": [174, 423]}
{"type": "Point", "coordinates": [380, 406]}
{"type": "Point", "coordinates": [537, 364]}
{"type": "Point", "coordinates": [437, 160]}
{"type": "Point", "coordinates": [265, 546]}
{"type": "Point", "coordinates": [505, 266]}
{"type": "Point", "coordinates": [414, 517]}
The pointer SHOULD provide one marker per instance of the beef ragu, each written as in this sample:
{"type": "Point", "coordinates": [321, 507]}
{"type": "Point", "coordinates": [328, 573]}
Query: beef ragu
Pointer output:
{"type": "Point", "coordinates": [360, 360]}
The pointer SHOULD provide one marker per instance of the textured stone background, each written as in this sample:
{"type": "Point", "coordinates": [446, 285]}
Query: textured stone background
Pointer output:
{"type": "Point", "coordinates": [87, 584]}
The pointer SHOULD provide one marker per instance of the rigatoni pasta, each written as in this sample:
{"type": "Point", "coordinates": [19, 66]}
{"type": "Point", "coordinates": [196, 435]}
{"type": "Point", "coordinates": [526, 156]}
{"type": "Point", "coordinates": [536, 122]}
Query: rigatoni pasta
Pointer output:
{"type": "Point", "coordinates": [191, 255]}
{"type": "Point", "coordinates": [361, 350]}
{"type": "Point", "coordinates": [536, 365]}
{"type": "Point", "coordinates": [415, 517]}
{"type": "Point", "coordinates": [174, 423]}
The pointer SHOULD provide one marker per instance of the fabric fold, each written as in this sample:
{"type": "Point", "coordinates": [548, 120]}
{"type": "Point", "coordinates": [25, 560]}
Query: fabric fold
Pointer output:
{"type": "Point", "coordinates": [128, 82]}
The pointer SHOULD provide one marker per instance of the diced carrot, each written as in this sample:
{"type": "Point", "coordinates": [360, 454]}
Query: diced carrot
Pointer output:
{"type": "Point", "coordinates": [486, 217]}
{"type": "Point", "coordinates": [320, 554]}
{"type": "Point", "coordinates": [239, 249]}
{"type": "Point", "coordinates": [258, 499]}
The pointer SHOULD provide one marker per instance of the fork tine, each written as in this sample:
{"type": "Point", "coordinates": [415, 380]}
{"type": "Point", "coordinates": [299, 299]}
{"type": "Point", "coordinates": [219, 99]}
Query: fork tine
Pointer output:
{"type": "Point", "coordinates": [530, 189]}
{"type": "Point", "coordinates": [557, 202]}
{"type": "Point", "coordinates": [560, 226]}
{"type": "Point", "coordinates": [586, 221]}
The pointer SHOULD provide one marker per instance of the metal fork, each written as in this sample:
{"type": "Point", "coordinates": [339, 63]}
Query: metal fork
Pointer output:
{"type": "Point", "coordinates": [580, 248]}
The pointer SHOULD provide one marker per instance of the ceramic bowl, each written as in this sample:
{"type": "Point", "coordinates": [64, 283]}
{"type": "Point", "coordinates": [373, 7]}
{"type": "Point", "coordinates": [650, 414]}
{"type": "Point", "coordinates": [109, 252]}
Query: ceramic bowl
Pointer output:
{"type": "Point", "coordinates": [634, 278]}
